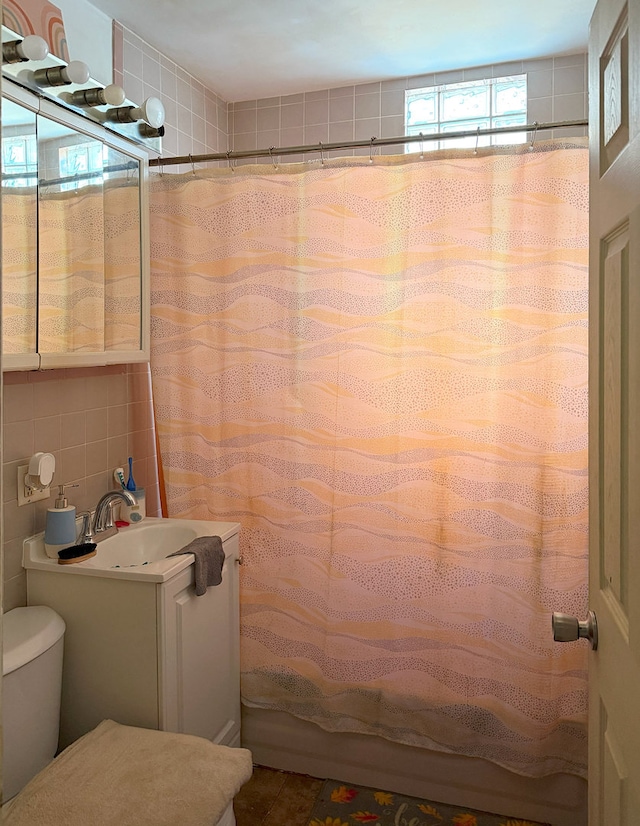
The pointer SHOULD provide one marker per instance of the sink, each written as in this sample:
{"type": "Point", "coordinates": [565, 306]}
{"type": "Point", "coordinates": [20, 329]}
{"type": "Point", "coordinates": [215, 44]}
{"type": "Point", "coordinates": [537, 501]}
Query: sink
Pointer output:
{"type": "Point", "coordinates": [138, 552]}
{"type": "Point", "coordinates": [144, 543]}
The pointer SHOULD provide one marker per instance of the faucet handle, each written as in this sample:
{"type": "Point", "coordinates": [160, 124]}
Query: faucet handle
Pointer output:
{"type": "Point", "coordinates": [86, 534]}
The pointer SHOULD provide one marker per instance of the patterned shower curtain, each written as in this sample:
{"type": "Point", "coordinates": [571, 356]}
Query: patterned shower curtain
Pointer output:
{"type": "Point", "coordinates": [380, 370]}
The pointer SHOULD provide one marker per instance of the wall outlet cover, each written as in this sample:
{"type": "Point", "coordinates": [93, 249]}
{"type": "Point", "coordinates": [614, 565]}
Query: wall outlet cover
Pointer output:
{"type": "Point", "coordinates": [27, 494]}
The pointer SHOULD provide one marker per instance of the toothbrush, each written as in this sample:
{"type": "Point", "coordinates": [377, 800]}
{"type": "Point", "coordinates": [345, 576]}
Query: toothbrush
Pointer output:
{"type": "Point", "coordinates": [118, 475]}
{"type": "Point", "coordinates": [131, 485]}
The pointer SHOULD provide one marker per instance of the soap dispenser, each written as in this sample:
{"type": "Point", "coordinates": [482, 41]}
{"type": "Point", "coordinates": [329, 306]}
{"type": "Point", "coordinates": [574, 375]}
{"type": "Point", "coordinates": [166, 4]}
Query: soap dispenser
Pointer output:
{"type": "Point", "coordinates": [60, 527]}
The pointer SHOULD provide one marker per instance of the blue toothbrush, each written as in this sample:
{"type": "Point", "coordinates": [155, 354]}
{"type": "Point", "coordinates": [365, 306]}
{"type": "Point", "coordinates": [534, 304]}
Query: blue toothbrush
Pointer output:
{"type": "Point", "coordinates": [131, 485]}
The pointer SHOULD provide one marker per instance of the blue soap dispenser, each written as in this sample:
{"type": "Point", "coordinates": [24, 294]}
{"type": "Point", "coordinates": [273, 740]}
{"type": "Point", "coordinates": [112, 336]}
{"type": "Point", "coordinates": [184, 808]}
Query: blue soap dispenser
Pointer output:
{"type": "Point", "coordinates": [60, 527]}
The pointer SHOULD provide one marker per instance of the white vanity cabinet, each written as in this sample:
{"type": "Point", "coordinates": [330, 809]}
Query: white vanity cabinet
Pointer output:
{"type": "Point", "coordinates": [148, 653]}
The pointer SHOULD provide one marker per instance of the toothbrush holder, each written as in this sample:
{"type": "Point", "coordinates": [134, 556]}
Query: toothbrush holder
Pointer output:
{"type": "Point", "coordinates": [134, 513]}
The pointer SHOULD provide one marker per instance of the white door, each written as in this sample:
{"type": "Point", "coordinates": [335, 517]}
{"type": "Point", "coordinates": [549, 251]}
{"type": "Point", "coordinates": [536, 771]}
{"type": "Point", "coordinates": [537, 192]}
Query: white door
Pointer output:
{"type": "Point", "coordinates": [614, 449]}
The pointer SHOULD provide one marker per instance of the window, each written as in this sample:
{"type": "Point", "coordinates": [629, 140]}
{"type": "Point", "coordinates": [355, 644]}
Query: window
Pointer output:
{"type": "Point", "coordinates": [85, 160]}
{"type": "Point", "coordinates": [457, 107]}
{"type": "Point", "coordinates": [19, 158]}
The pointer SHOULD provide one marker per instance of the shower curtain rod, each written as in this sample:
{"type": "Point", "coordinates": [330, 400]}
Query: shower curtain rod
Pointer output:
{"type": "Point", "coordinates": [273, 152]}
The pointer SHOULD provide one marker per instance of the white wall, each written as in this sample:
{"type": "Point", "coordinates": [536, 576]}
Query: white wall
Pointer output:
{"type": "Point", "coordinates": [89, 37]}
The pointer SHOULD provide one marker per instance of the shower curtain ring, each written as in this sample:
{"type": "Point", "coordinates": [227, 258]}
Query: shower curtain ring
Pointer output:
{"type": "Point", "coordinates": [193, 168]}
{"type": "Point", "coordinates": [475, 151]}
{"type": "Point", "coordinates": [533, 139]}
{"type": "Point", "coordinates": [275, 165]}
{"type": "Point", "coordinates": [421, 146]}
{"type": "Point", "coordinates": [160, 166]}
{"type": "Point", "coordinates": [231, 166]}
{"type": "Point", "coordinates": [371, 149]}
{"type": "Point", "coordinates": [321, 153]}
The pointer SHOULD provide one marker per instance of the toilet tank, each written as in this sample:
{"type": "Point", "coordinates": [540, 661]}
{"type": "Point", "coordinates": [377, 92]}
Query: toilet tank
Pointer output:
{"type": "Point", "coordinates": [32, 681]}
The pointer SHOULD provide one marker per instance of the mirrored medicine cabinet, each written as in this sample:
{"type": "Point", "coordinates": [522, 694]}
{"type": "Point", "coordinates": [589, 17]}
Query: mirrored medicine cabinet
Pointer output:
{"type": "Point", "coordinates": [74, 234]}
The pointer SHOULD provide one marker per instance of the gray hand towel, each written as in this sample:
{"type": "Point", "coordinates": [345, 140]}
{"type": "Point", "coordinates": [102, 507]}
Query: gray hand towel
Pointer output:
{"type": "Point", "coordinates": [209, 556]}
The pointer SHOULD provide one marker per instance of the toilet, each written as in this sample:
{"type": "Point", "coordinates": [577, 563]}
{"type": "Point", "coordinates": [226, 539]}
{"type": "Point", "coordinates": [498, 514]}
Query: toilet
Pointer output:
{"type": "Point", "coordinates": [33, 640]}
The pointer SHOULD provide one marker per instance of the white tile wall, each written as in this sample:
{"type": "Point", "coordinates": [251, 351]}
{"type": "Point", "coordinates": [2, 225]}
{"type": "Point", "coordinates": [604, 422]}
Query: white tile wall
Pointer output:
{"type": "Point", "coordinates": [196, 117]}
{"type": "Point", "coordinates": [92, 420]}
{"type": "Point", "coordinates": [557, 90]}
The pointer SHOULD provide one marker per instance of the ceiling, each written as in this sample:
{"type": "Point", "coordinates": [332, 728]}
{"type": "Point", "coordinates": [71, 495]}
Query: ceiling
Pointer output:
{"type": "Point", "coordinates": [245, 49]}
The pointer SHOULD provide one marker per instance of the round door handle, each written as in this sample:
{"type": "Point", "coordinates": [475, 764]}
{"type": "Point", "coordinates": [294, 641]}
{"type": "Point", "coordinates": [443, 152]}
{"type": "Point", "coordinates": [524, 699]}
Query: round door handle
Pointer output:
{"type": "Point", "coordinates": [567, 628]}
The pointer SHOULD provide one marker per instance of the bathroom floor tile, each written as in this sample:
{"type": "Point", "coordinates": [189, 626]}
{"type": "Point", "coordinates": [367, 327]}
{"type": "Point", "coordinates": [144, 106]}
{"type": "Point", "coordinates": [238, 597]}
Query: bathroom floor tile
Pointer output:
{"type": "Point", "coordinates": [295, 801]}
{"type": "Point", "coordinates": [275, 798]}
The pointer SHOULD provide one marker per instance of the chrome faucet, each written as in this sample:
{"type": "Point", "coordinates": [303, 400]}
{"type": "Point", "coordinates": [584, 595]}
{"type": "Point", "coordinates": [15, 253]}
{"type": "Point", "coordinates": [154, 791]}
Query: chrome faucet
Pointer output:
{"type": "Point", "coordinates": [103, 526]}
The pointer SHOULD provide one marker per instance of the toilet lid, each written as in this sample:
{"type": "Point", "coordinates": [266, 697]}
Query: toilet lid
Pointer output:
{"type": "Point", "coordinates": [27, 633]}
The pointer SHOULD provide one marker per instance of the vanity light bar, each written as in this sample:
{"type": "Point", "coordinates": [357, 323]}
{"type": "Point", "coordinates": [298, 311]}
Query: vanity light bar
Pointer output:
{"type": "Point", "coordinates": [72, 86]}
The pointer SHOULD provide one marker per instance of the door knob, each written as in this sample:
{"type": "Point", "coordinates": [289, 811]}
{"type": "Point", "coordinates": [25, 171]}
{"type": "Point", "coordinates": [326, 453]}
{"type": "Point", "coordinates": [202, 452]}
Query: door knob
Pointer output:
{"type": "Point", "coordinates": [567, 628]}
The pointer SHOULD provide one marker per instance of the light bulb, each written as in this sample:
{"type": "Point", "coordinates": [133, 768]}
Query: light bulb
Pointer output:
{"type": "Point", "coordinates": [114, 95]}
{"type": "Point", "coordinates": [76, 72]}
{"type": "Point", "coordinates": [151, 111]}
{"type": "Point", "coordinates": [32, 47]}
{"type": "Point", "coordinates": [111, 95]}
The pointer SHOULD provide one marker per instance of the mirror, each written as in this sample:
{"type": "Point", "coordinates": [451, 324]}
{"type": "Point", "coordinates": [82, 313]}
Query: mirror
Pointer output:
{"type": "Point", "coordinates": [19, 232]}
{"type": "Point", "coordinates": [122, 248]}
{"type": "Point", "coordinates": [74, 227]}
{"type": "Point", "coordinates": [71, 283]}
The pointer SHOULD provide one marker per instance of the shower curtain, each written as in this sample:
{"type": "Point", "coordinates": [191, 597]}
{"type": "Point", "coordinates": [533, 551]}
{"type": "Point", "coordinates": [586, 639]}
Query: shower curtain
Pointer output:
{"type": "Point", "coordinates": [380, 370]}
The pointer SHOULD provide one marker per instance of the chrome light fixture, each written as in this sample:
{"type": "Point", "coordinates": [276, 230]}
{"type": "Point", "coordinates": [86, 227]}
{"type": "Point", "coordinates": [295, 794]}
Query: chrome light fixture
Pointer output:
{"type": "Point", "coordinates": [111, 95]}
{"type": "Point", "coordinates": [74, 72]}
{"type": "Point", "coordinates": [151, 112]}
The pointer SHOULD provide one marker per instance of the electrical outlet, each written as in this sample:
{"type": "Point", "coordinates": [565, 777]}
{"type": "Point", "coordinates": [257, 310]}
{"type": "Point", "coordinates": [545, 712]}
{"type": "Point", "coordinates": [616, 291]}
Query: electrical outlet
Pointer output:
{"type": "Point", "coordinates": [27, 494]}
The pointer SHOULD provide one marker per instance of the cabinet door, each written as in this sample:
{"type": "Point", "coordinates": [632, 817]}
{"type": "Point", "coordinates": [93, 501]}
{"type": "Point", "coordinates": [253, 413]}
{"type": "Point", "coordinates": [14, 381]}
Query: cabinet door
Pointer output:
{"type": "Point", "coordinates": [93, 305]}
{"type": "Point", "coordinates": [71, 282]}
{"type": "Point", "coordinates": [199, 655]}
{"type": "Point", "coordinates": [19, 234]}
{"type": "Point", "coordinates": [75, 245]}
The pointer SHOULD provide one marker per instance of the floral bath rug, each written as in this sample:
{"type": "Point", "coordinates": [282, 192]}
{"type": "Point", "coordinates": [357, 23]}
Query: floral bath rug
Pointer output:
{"type": "Point", "coordinates": [340, 805]}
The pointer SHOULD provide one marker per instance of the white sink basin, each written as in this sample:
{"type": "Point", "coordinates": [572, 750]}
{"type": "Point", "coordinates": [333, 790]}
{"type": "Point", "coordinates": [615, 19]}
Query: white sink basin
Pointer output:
{"type": "Point", "coordinates": [144, 543]}
{"type": "Point", "coordinates": [137, 552]}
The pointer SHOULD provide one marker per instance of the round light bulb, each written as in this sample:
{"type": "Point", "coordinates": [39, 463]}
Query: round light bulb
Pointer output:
{"type": "Point", "coordinates": [151, 111]}
{"type": "Point", "coordinates": [76, 72]}
{"type": "Point", "coordinates": [33, 47]}
{"type": "Point", "coordinates": [113, 95]}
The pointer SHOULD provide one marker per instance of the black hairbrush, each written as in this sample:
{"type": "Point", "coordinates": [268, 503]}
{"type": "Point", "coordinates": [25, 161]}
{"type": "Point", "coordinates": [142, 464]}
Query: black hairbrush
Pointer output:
{"type": "Point", "coordinates": [76, 553]}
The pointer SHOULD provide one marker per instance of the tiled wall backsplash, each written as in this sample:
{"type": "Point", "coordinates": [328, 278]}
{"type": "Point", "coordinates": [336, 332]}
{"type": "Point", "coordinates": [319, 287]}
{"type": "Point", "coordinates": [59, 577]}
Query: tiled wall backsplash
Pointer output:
{"type": "Point", "coordinates": [196, 117]}
{"type": "Point", "coordinates": [92, 420]}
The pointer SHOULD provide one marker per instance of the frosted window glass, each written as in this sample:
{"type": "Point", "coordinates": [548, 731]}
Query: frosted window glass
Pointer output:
{"type": "Point", "coordinates": [458, 107]}
{"type": "Point", "coordinates": [423, 109]}
{"type": "Point", "coordinates": [465, 103]}
{"type": "Point", "coordinates": [510, 96]}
